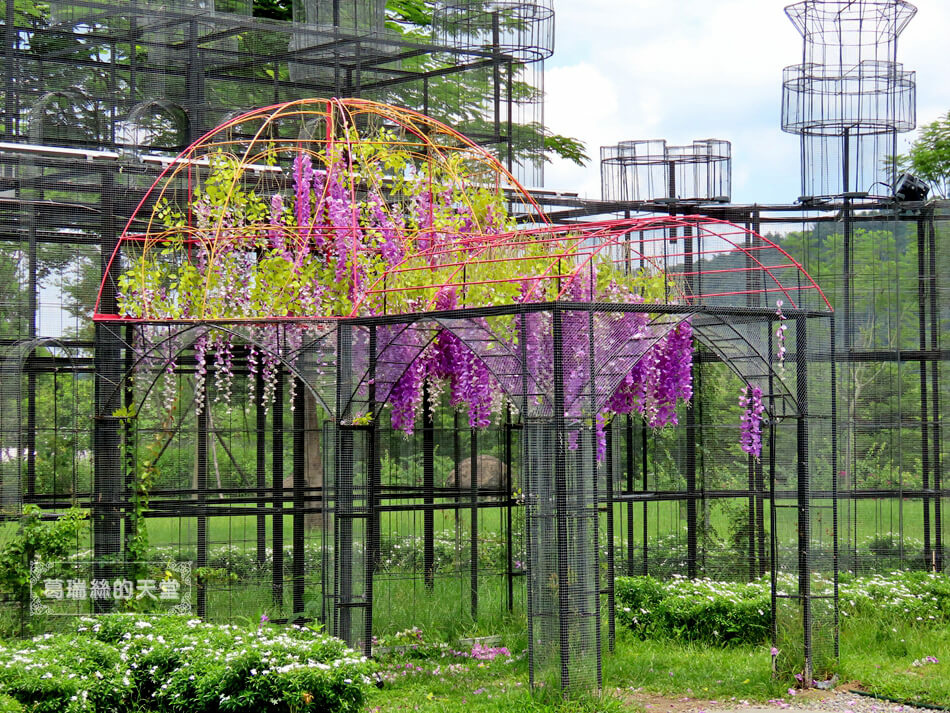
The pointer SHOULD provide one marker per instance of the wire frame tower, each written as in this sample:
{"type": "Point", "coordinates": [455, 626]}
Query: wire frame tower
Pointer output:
{"type": "Point", "coordinates": [515, 37]}
{"type": "Point", "coordinates": [849, 97]}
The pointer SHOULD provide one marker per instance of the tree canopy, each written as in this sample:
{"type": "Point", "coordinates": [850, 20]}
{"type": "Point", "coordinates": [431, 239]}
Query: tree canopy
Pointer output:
{"type": "Point", "coordinates": [929, 156]}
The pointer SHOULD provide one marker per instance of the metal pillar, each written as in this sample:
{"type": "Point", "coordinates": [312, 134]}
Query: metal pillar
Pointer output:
{"type": "Point", "coordinates": [277, 485]}
{"type": "Point", "coordinates": [804, 493]}
{"type": "Point", "coordinates": [299, 483]}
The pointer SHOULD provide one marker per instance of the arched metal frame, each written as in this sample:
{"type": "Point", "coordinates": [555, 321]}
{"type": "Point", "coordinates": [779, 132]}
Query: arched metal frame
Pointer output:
{"type": "Point", "coordinates": [727, 280]}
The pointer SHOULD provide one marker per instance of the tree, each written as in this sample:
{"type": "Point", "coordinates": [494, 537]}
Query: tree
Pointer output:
{"type": "Point", "coordinates": [413, 20]}
{"type": "Point", "coordinates": [929, 156]}
{"type": "Point", "coordinates": [877, 395]}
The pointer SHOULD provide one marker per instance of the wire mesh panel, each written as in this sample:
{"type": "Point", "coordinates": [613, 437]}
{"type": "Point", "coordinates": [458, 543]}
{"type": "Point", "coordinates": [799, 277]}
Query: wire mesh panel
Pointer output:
{"type": "Point", "coordinates": [563, 596]}
{"type": "Point", "coordinates": [804, 509]}
{"type": "Point", "coordinates": [881, 276]}
{"type": "Point", "coordinates": [349, 497]}
{"type": "Point", "coordinates": [451, 555]}
{"type": "Point", "coordinates": [318, 60]}
{"type": "Point", "coordinates": [936, 234]}
{"type": "Point", "coordinates": [44, 444]}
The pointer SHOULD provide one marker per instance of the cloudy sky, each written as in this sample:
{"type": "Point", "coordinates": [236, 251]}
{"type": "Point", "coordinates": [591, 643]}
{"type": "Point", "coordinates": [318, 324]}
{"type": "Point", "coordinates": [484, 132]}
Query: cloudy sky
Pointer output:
{"type": "Point", "coordinates": [693, 69]}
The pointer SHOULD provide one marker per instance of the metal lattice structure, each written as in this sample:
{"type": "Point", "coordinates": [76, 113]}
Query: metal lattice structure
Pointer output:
{"type": "Point", "coordinates": [269, 423]}
{"type": "Point", "coordinates": [543, 309]}
{"type": "Point", "coordinates": [651, 171]}
{"type": "Point", "coordinates": [850, 96]}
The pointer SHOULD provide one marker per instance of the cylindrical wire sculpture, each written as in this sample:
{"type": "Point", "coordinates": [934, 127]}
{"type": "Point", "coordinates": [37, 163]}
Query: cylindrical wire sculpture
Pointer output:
{"type": "Point", "coordinates": [521, 30]}
{"type": "Point", "coordinates": [849, 97]}
{"type": "Point", "coordinates": [519, 36]}
{"type": "Point", "coordinates": [649, 170]}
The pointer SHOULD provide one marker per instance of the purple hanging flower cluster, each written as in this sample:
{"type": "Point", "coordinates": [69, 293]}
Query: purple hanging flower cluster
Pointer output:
{"type": "Point", "coordinates": [201, 371]}
{"type": "Point", "coordinates": [336, 231]}
{"type": "Point", "coordinates": [405, 397]}
{"type": "Point", "coordinates": [276, 232]}
{"type": "Point", "coordinates": [224, 369]}
{"type": "Point", "coordinates": [674, 369]}
{"type": "Point", "coordinates": [750, 437]}
{"type": "Point", "coordinates": [446, 360]}
{"type": "Point", "coordinates": [389, 228]}
{"type": "Point", "coordinates": [303, 177]}
{"type": "Point", "coordinates": [450, 361]}
{"type": "Point", "coordinates": [659, 380]}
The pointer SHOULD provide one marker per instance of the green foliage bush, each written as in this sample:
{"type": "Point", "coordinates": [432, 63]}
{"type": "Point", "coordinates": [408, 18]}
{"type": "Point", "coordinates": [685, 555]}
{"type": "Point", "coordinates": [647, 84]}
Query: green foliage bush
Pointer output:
{"type": "Point", "coordinates": [64, 673]}
{"type": "Point", "coordinates": [725, 613]}
{"type": "Point", "coordinates": [128, 663]}
{"type": "Point", "coordinates": [694, 610]}
{"type": "Point", "coordinates": [907, 597]}
{"type": "Point", "coordinates": [36, 538]}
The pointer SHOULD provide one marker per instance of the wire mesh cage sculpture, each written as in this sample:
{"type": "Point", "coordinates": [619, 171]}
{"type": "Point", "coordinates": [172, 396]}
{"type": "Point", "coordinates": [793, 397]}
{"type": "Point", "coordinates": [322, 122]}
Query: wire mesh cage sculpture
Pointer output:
{"type": "Point", "coordinates": [848, 100]}
{"type": "Point", "coordinates": [849, 97]}
{"type": "Point", "coordinates": [521, 30]}
{"type": "Point", "coordinates": [515, 37]}
{"type": "Point", "coordinates": [375, 254]}
{"type": "Point", "coordinates": [321, 63]}
{"type": "Point", "coordinates": [650, 170]}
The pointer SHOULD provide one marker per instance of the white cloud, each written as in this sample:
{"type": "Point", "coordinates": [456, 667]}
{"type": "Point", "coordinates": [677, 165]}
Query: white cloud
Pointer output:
{"type": "Point", "coordinates": [690, 69]}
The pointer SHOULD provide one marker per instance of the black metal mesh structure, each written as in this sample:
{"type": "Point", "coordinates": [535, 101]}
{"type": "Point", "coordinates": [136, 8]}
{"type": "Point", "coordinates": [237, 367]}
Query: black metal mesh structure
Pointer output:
{"type": "Point", "coordinates": [99, 98]}
{"type": "Point", "coordinates": [58, 437]}
{"type": "Point", "coordinates": [148, 77]}
{"type": "Point", "coordinates": [288, 489]}
{"type": "Point", "coordinates": [651, 171]}
{"type": "Point", "coordinates": [849, 97]}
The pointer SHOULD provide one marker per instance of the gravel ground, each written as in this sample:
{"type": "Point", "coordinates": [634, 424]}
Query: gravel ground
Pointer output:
{"type": "Point", "coordinates": [835, 701]}
{"type": "Point", "coordinates": [813, 701]}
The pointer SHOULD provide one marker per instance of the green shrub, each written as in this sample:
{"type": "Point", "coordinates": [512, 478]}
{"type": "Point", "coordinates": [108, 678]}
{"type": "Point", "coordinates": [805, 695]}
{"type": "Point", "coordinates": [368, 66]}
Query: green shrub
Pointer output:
{"type": "Point", "coordinates": [124, 662]}
{"type": "Point", "coordinates": [911, 597]}
{"type": "Point", "coordinates": [36, 539]}
{"type": "Point", "coordinates": [713, 612]}
{"type": "Point", "coordinates": [54, 674]}
{"type": "Point", "coordinates": [694, 610]}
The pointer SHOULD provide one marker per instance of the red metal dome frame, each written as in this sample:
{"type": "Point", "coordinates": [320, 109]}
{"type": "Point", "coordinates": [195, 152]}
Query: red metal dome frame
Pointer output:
{"type": "Point", "coordinates": [706, 261]}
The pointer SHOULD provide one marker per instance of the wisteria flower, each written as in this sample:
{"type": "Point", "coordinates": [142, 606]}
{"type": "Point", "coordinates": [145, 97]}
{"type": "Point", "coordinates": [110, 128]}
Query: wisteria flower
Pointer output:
{"type": "Point", "coordinates": [750, 437]}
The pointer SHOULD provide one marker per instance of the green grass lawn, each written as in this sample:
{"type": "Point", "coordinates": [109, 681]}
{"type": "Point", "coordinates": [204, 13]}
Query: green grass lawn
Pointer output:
{"type": "Point", "coordinates": [858, 521]}
{"type": "Point", "coordinates": [875, 659]}
{"type": "Point", "coordinates": [881, 658]}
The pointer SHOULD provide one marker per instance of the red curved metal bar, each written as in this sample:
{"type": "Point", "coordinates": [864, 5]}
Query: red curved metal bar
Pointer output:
{"type": "Point", "coordinates": [715, 261]}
